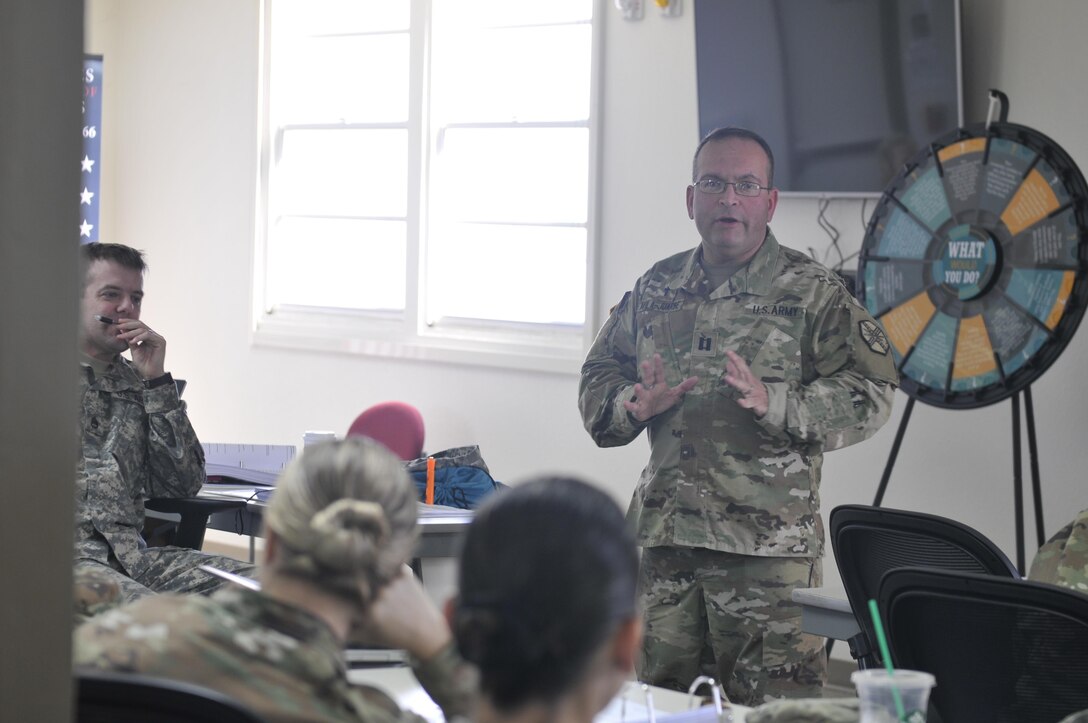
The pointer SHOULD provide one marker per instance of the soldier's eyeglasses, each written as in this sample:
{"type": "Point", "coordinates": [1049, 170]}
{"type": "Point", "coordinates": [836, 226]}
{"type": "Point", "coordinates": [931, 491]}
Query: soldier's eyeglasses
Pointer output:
{"type": "Point", "coordinates": [743, 188]}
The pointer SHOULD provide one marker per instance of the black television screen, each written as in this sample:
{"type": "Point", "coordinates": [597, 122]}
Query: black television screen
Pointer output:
{"type": "Point", "coordinates": [845, 91]}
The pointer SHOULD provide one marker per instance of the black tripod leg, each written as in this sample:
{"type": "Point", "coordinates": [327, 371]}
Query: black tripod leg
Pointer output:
{"type": "Point", "coordinates": [895, 453]}
{"type": "Point", "coordinates": [1017, 484]}
{"type": "Point", "coordinates": [1033, 460]}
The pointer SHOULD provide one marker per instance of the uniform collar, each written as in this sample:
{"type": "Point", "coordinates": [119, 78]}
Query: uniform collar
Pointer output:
{"type": "Point", "coordinates": [756, 278]}
{"type": "Point", "coordinates": [272, 614]}
{"type": "Point", "coordinates": [115, 376]}
{"type": "Point", "coordinates": [760, 274]}
{"type": "Point", "coordinates": [98, 366]}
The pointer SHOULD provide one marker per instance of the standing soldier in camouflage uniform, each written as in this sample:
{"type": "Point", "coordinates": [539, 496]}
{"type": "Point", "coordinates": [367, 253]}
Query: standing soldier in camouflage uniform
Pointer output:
{"type": "Point", "coordinates": [339, 532]}
{"type": "Point", "coordinates": [135, 436]}
{"type": "Point", "coordinates": [745, 360]}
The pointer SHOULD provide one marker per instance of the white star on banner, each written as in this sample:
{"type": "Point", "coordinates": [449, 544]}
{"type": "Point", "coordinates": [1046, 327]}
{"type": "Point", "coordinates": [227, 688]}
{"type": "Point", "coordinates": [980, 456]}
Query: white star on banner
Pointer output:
{"type": "Point", "coordinates": [87, 165]}
{"type": "Point", "coordinates": [85, 196]}
{"type": "Point", "coordinates": [85, 229]}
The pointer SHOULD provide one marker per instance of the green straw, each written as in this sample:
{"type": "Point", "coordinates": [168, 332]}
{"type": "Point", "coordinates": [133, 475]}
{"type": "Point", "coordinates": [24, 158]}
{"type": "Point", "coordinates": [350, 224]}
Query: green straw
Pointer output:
{"type": "Point", "coordinates": [883, 643]}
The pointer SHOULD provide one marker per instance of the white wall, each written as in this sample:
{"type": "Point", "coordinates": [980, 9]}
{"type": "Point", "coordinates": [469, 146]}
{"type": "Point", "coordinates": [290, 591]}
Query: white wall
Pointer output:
{"type": "Point", "coordinates": [180, 168]}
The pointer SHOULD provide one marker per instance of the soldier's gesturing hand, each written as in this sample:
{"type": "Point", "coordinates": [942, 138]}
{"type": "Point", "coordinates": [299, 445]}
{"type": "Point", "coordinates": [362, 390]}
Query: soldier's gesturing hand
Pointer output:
{"type": "Point", "coordinates": [654, 395]}
{"type": "Point", "coordinates": [753, 394]}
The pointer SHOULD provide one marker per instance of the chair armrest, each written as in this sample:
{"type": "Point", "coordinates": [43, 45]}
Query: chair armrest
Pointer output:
{"type": "Point", "coordinates": [194, 505]}
{"type": "Point", "coordinates": [194, 513]}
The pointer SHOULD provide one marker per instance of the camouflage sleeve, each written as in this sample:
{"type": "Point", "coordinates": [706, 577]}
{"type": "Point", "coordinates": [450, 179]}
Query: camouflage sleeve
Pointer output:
{"type": "Point", "coordinates": [93, 594]}
{"type": "Point", "coordinates": [608, 378]}
{"type": "Point", "coordinates": [452, 682]}
{"type": "Point", "coordinates": [175, 456]}
{"type": "Point", "coordinates": [849, 381]}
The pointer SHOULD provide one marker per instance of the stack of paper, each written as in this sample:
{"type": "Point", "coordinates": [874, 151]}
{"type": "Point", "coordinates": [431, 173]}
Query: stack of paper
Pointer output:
{"type": "Point", "coordinates": [254, 463]}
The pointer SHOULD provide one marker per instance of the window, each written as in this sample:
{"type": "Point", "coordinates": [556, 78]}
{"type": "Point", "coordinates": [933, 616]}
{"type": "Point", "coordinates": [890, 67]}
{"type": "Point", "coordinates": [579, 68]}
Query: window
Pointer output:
{"type": "Point", "coordinates": [426, 178]}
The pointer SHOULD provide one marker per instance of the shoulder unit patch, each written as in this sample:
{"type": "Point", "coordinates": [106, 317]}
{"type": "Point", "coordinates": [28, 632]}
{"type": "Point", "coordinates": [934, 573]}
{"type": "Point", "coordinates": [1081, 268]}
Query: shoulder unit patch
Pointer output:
{"type": "Point", "coordinates": [873, 336]}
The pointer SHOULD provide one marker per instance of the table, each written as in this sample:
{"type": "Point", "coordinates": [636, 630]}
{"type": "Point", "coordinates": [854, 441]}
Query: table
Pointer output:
{"type": "Point", "coordinates": [825, 611]}
{"type": "Point", "coordinates": [401, 685]}
{"type": "Point", "coordinates": [442, 529]}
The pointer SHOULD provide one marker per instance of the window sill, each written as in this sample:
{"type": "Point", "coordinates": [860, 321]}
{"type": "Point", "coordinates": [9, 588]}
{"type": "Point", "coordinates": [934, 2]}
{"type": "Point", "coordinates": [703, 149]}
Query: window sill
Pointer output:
{"type": "Point", "coordinates": [554, 350]}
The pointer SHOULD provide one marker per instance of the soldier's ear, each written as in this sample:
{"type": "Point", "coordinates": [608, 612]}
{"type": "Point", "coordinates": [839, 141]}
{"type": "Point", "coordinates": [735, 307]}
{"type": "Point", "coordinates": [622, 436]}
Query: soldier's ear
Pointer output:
{"type": "Point", "coordinates": [626, 643]}
{"type": "Point", "coordinates": [450, 610]}
{"type": "Point", "coordinates": [271, 547]}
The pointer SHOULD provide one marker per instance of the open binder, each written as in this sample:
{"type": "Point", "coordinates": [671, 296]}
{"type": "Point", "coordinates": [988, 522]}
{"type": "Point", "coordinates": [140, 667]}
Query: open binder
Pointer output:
{"type": "Point", "coordinates": [635, 704]}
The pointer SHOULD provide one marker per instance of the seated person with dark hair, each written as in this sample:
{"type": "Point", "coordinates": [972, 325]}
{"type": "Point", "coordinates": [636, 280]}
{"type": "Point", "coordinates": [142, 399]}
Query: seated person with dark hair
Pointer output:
{"type": "Point", "coordinates": [135, 435]}
{"type": "Point", "coordinates": [546, 606]}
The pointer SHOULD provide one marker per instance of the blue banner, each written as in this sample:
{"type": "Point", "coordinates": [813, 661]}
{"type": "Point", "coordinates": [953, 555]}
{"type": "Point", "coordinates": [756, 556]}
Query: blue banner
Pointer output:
{"type": "Point", "coordinates": [90, 165]}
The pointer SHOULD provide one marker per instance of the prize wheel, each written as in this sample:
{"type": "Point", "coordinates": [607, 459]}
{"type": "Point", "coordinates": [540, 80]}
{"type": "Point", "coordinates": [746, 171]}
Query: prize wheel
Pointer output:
{"type": "Point", "coordinates": [974, 263]}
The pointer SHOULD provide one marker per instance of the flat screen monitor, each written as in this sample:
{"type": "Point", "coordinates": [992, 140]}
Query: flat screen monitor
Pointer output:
{"type": "Point", "coordinates": [845, 91]}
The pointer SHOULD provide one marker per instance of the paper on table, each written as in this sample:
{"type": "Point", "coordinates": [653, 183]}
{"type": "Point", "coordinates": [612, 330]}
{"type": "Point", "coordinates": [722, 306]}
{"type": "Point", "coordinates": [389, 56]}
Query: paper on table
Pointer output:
{"type": "Point", "coordinates": [620, 710]}
{"type": "Point", "coordinates": [256, 463]}
{"type": "Point", "coordinates": [703, 714]}
{"type": "Point", "coordinates": [630, 706]}
{"type": "Point", "coordinates": [425, 510]}
{"type": "Point", "coordinates": [261, 494]}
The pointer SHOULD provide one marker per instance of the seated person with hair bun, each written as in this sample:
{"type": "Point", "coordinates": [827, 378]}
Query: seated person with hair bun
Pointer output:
{"type": "Point", "coordinates": [338, 532]}
{"type": "Point", "coordinates": [546, 605]}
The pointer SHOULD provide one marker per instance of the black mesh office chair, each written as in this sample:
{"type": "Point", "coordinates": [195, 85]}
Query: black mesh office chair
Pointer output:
{"type": "Point", "coordinates": [869, 541]}
{"type": "Point", "coordinates": [1002, 650]}
{"type": "Point", "coordinates": [109, 697]}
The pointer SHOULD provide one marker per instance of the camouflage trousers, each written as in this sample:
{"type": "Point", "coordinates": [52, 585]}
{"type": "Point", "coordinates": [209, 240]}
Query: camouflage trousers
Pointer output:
{"type": "Point", "coordinates": [172, 569]}
{"type": "Point", "coordinates": [729, 617]}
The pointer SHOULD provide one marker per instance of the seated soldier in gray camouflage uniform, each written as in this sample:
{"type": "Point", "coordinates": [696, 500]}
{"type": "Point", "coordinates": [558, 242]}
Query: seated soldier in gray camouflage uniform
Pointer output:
{"type": "Point", "coordinates": [339, 530]}
{"type": "Point", "coordinates": [135, 435]}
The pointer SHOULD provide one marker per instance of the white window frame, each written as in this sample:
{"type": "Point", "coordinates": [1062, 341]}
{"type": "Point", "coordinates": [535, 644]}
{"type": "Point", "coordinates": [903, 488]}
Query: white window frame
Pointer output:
{"type": "Point", "coordinates": [532, 347]}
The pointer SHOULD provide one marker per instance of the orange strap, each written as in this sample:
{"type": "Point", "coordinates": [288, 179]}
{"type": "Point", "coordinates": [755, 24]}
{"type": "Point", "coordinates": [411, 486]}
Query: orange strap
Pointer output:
{"type": "Point", "coordinates": [429, 499]}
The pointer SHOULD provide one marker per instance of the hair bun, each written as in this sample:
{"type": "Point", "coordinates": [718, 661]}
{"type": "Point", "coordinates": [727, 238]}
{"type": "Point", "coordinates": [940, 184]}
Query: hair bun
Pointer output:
{"type": "Point", "coordinates": [348, 533]}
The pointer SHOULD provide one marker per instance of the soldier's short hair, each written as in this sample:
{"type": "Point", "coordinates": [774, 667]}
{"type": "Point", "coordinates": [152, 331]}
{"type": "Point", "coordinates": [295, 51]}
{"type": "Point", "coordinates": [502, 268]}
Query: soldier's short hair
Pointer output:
{"type": "Point", "coordinates": [548, 572]}
{"type": "Point", "coordinates": [120, 254]}
{"type": "Point", "coordinates": [345, 513]}
{"type": "Point", "coordinates": [727, 132]}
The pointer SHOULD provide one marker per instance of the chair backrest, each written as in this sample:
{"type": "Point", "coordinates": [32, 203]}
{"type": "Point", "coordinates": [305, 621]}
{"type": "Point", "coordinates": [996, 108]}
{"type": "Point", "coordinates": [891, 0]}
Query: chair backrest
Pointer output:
{"type": "Point", "coordinates": [111, 697]}
{"type": "Point", "coordinates": [397, 425]}
{"type": "Point", "coordinates": [870, 541]}
{"type": "Point", "coordinates": [1001, 649]}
